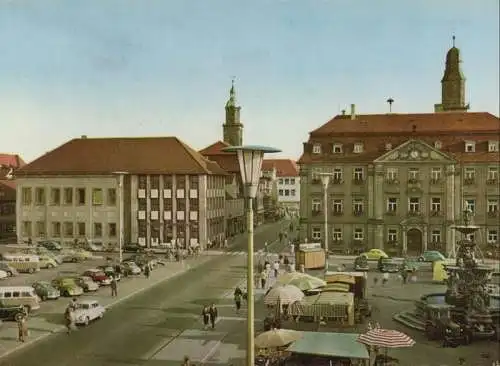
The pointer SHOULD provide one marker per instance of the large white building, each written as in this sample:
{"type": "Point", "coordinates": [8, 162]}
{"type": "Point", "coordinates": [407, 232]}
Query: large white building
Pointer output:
{"type": "Point", "coordinates": [286, 183]}
{"type": "Point", "coordinates": [169, 193]}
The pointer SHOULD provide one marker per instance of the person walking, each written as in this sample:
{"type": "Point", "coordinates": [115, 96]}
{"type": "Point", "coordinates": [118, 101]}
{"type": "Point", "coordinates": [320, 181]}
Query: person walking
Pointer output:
{"type": "Point", "coordinates": [147, 270]}
{"type": "Point", "coordinates": [385, 278]}
{"type": "Point", "coordinates": [69, 318]}
{"type": "Point", "coordinates": [213, 315]}
{"type": "Point", "coordinates": [205, 314]}
{"type": "Point", "coordinates": [114, 287]}
{"type": "Point", "coordinates": [186, 361]}
{"type": "Point", "coordinates": [238, 294]}
{"type": "Point", "coordinates": [22, 326]}
{"type": "Point", "coordinates": [263, 278]}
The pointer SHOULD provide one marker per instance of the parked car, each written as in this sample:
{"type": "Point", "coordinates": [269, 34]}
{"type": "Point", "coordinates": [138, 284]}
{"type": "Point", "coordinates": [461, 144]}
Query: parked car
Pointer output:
{"type": "Point", "coordinates": [131, 268]}
{"type": "Point", "coordinates": [98, 276]}
{"type": "Point", "coordinates": [87, 283]}
{"type": "Point", "coordinates": [361, 264]}
{"type": "Point", "coordinates": [144, 259]}
{"type": "Point", "coordinates": [47, 261]}
{"type": "Point", "coordinates": [387, 265]}
{"type": "Point", "coordinates": [110, 272]}
{"type": "Point", "coordinates": [374, 254]}
{"type": "Point", "coordinates": [431, 256]}
{"type": "Point", "coordinates": [11, 271]}
{"type": "Point", "coordinates": [46, 291]}
{"type": "Point", "coordinates": [411, 264]}
{"type": "Point", "coordinates": [50, 245]}
{"type": "Point", "coordinates": [84, 253]}
{"type": "Point", "coordinates": [3, 275]}
{"type": "Point", "coordinates": [133, 248]}
{"type": "Point", "coordinates": [72, 256]}
{"type": "Point", "coordinates": [12, 313]}
{"type": "Point", "coordinates": [67, 286]}
{"type": "Point", "coordinates": [87, 311]}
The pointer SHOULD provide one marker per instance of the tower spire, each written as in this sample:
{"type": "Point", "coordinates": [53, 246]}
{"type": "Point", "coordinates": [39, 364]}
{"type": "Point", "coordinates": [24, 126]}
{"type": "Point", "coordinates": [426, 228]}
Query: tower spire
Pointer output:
{"type": "Point", "coordinates": [453, 40]}
{"type": "Point", "coordinates": [232, 95]}
{"type": "Point", "coordinates": [233, 128]}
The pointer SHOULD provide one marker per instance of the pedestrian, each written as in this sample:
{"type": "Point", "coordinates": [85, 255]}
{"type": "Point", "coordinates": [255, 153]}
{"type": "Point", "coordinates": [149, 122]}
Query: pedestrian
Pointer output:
{"type": "Point", "coordinates": [375, 281]}
{"type": "Point", "coordinates": [225, 243]}
{"type": "Point", "coordinates": [114, 287]}
{"type": "Point", "coordinates": [205, 313]}
{"type": "Point", "coordinates": [186, 361]}
{"type": "Point", "coordinates": [263, 279]}
{"type": "Point", "coordinates": [147, 270]}
{"type": "Point", "coordinates": [280, 236]}
{"type": "Point", "coordinates": [260, 267]}
{"type": "Point", "coordinates": [69, 319]}
{"type": "Point", "coordinates": [22, 327]}
{"type": "Point", "coordinates": [276, 267]}
{"type": "Point", "coordinates": [385, 278]}
{"type": "Point", "coordinates": [404, 276]}
{"type": "Point", "coordinates": [72, 303]}
{"type": "Point", "coordinates": [213, 315]}
{"type": "Point", "coordinates": [237, 299]}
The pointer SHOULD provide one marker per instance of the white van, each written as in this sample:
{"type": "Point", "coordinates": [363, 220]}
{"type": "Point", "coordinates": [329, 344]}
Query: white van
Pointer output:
{"type": "Point", "coordinates": [19, 296]}
{"type": "Point", "coordinates": [27, 263]}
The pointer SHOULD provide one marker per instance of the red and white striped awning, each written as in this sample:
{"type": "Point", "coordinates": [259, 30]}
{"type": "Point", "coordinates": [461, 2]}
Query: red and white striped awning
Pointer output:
{"type": "Point", "coordinates": [387, 338]}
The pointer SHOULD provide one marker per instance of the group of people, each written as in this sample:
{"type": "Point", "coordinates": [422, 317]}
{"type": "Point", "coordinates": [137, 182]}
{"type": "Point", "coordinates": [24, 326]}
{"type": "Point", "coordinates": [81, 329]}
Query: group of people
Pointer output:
{"type": "Point", "coordinates": [209, 315]}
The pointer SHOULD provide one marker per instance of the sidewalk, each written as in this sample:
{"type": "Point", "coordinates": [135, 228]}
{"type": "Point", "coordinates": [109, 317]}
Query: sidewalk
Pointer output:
{"type": "Point", "coordinates": [49, 319]}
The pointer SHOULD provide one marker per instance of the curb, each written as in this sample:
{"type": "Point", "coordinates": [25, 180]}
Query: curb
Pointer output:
{"type": "Point", "coordinates": [394, 298]}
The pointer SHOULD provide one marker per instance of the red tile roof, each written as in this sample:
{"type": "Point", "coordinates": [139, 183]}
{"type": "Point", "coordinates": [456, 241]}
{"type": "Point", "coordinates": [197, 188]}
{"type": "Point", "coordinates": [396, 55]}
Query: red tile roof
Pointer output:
{"type": "Point", "coordinates": [284, 167]}
{"type": "Point", "coordinates": [141, 155]}
{"type": "Point", "coordinates": [11, 161]}
{"type": "Point", "coordinates": [226, 160]}
{"type": "Point", "coordinates": [375, 131]}
{"type": "Point", "coordinates": [216, 149]}
{"type": "Point", "coordinates": [9, 183]}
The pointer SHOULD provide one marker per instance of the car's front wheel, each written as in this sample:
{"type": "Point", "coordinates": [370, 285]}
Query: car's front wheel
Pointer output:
{"type": "Point", "coordinates": [421, 259]}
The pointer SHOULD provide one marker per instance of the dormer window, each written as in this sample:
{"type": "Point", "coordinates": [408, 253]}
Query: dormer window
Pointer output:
{"type": "Point", "coordinates": [317, 149]}
{"type": "Point", "coordinates": [492, 146]}
{"type": "Point", "coordinates": [358, 148]}
{"type": "Point", "coordinates": [337, 148]}
{"type": "Point", "coordinates": [388, 146]}
{"type": "Point", "coordinates": [438, 145]}
{"type": "Point", "coordinates": [470, 146]}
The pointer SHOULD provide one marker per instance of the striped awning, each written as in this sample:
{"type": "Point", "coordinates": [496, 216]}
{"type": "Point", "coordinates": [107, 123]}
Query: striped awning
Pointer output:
{"type": "Point", "coordinates": [386, 338]}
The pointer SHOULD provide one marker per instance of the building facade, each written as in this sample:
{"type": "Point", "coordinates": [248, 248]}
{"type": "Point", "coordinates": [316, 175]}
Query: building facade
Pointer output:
{"type": "Point", "coordinates": [9, 164]}
{"type": "Point", "coordinates": [400, 182]}
{"type": "Point", "coordinates": [65, 196]}
{"type": "Point", "coordinates": [287, 184]}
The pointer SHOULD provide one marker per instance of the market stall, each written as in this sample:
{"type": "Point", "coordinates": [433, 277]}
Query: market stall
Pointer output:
{"type": "Point", "coordinates": [310, 256]}
{"type": "Point", "coordinates": [335, 307]}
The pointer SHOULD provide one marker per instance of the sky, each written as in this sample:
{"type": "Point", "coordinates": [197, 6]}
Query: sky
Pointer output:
{"type": "Point", "coordinates": [162, 68]}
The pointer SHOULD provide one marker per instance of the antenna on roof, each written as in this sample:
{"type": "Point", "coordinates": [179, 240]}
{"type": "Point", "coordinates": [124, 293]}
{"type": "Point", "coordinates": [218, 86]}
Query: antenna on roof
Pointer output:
{"type": "Point", "coordinates": [390, 101]}
{"type": "Point", "coordinates": [453, 40]}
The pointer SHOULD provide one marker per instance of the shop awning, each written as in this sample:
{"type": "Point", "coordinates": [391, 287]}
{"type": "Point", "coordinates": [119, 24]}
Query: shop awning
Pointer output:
{"type": "Point", "coordinates": [343, 345]}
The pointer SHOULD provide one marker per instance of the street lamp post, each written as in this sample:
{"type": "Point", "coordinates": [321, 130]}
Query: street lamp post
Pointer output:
{"type": "Point", "coordinates": [250, 162]}
{"type": "Point", "coordinates": [325, 179]}
{"type": "Point", "coordinates": [121, 176]}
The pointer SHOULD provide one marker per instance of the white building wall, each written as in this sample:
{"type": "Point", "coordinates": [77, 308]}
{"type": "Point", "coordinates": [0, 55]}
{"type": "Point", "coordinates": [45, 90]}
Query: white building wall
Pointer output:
{"type": "Point", "coordinates": [290, 185]}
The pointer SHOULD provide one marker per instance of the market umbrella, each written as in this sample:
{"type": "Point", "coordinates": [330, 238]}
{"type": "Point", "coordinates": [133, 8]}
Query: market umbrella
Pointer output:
{"type": "Point", "coordinates": [303, 281]}
{"type": "Point", "coordinates": [277, 338]}
{"type": "Point", "coordinates": [284, 295]}
{"type": "Point", "coordinates": [387, 338]}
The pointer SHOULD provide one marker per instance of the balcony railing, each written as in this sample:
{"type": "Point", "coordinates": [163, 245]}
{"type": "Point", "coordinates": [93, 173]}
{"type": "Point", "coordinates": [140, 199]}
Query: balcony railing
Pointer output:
{"type": "Point", "coordinates": [413, 180]}
{"type": "Point", "coordinates": [492, 181]}
{"type": "Point", "coordinates": [392, 181]}
{"type": "Point", "coordinates": [493, 213]}
{"type": "Point", "coordinates": [436, 213]}
{"type": "Point", "coordinates": [358, 212]}
{"type": "Point", "coordinates": [358, 180]}
{"type": "Point", "coordinates": [391, 213]}
{"type": "Point", "coordinates": [337, 181]}
{"type": "Point", "coordinates": [436, 181]}
{"type": "Point", "coordinates": [469, 181]}
{"type": "Point", "coordinates": [337, 212]}
{"type": "Point", "coordinates": [316, 212]}
{"type": "Point", "coordinates": [414, 213]}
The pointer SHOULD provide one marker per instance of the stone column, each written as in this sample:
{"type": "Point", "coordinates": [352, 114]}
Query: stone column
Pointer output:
{"type": "Point", "coordinates": [371, 193]}
{"type": "Point", "coordinates": [425, 236]}
{"type": "Point", "coordinates": [379, 192]}
{"type": "Point", "coordinates": [404, 230]}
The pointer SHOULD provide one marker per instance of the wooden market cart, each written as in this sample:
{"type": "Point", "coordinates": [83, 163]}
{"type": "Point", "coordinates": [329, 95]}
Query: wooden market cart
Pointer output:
{"type": "Point", "coordinates": [310, 256]}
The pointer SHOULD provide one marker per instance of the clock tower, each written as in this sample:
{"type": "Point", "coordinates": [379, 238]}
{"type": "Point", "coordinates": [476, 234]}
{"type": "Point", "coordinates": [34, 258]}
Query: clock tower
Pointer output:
{"type": "Point", "coordinates": [233, 128]}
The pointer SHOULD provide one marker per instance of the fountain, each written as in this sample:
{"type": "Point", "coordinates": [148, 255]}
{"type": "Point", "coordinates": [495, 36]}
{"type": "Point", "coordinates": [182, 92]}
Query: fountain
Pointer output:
{"type": "Point", "coordinates": [467, 296]}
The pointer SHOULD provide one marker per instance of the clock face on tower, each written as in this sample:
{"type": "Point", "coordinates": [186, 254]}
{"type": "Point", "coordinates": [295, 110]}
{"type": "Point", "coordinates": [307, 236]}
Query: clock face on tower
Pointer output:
{"type": "Point", "coordinates": [414, 154]}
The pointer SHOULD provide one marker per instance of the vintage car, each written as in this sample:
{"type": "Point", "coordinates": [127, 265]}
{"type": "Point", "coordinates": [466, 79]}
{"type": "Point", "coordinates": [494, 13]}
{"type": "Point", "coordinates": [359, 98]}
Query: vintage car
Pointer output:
{"type": "Point", "coordinates": [50, 245]}
{"type": "Point", "coordinates": [410, 264]}
{"type": "Point", "coordinates": [46, 291]}
{"type": "Point", "coordinates": [374, 254]}
{"type": "Point", "coordinates": [72, 256]}
{"type": "Point", "coordinates": [67, 286]}
{"type": "Point", "coordinates": [87, 311]}
{"type": "Point", "coordinates": [87, 283]}
{"type": "Point", "coordinates": [98, 276]}
{"type": "Point", "coordinates": [13, 313]}
{"type": "Point", "coordinates": [440, 326]}
{"type": "Point", "coordinates": [361, 264]}
{"type": "Point", "coordinates": [110, 272]}
{"type": "Point", "coordinates": [11, 271]}
{"type": "Point", "coordinates": [46, 261]}
{"type": "Point", "coordinates": [431, 256]}
{"type": "Point", "coordinates": [387, 265]}
{"type": "Point", "coordinates": [130, 268]}
{"type": "Point", "coordinates": [3, 275]}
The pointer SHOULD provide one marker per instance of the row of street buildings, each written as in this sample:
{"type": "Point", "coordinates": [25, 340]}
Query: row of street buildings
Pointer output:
{"type": "Point", "coordinates": [398, 182]}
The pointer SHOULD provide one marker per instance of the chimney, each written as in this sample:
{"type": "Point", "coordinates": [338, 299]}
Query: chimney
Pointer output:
{"type": "Point", "coordinates": [353, 111]}
{"type": "Point", "coordinates": [83, 137]}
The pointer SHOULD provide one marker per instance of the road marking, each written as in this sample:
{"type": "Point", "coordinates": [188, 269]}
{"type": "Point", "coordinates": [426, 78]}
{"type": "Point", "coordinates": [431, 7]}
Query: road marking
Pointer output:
{"type": "Point", "coordinates": [211, 351]}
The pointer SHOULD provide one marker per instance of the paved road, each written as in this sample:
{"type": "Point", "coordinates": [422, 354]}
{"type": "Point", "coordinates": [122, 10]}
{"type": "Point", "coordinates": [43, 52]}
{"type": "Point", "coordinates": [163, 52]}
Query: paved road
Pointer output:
{"type": "Point", "coordinates": [156, 327]}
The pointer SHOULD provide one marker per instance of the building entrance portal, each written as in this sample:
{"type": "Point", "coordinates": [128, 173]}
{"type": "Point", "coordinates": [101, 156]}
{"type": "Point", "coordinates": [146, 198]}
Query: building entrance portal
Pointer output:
{"type": "Point", "coordinates": [414, 242]}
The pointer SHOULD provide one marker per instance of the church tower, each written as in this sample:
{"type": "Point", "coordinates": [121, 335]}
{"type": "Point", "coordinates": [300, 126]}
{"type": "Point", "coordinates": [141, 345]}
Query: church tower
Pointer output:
{"type": "Point", "coordinates": [233, 128]}
{"type": "Point", "coordinates": [452, 84]}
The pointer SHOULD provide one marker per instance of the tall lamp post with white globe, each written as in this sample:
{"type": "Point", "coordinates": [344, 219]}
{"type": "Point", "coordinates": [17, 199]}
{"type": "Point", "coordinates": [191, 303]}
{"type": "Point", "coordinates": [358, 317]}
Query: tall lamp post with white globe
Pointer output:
{"type": "Point", "coordinates": [250, 161]}
{"type": "Point", "coordinates": [325, 180]}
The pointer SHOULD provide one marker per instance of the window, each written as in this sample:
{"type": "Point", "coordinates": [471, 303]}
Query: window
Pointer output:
{"type": "Point", "coordinates": [436, 174]}
{"type": "Point", "coordinates": [68, 229]}
{"type": "Point", "coordinates": [358, 174]}
{"type": "Point", "coordinates": [287, 192]}
{"type": "Point", "coordinates": [292, 192]}
{"type": "Point", "coordinates": [391, 174]}
{"type": "Point", "coordinates": [337, 206]}
{"type": "Point", "coordinates": [357, 205]}
{"type": "Point", "coordinates": [112, 230]}
{"type": "Point", "coordinates": [39, 196]}
{"type": "Point", "coordinates": [68, 196]}
{"type": "Point", "coordinates": [55, 196]}
{"type": "Point", "coordinates": [388, 146]}
{"type": "Point", "coordinates": [492, 236]}
{"type": "Point", "coordinates": [27, 228]}
{"type": "Point", "coordinates": [392, 204]}
{"type": "Point", "coordinates": [358, 148]}
{"type": "Point", "coordinates": [436, 236]}
{"type": "Point", "coordinates": [280, 181]}
{"type": "Point", "coordinates": [80, 227]}
{"type": "Point", "coordinates": [317, 150]}
{"type": "Point", "coordinates": [413, 174]}
{"type": "Point", "coordinates": [97, 198]}
{"type": "Point", "coordinates": [316, 233]}
{"type": "Point", "coordinates": [80, 196]}
{"type": "Point", "coordinates": [358, 234]}
{"type": "Point", "coordinates": [438, 145]}
{"type": "Point", "coordinates": [492, 146]}
{"type": "Point", "coordinates": [27, 196]}
{"type": "Point", "coordinates": [436, 204]}
{"type": "Point", "coordinates": [316, 205]}
{"type": "Point", "coordinates": [392, 235]}
{"type": "Point", "coordinates": [337, 148]}
{"type": "Point", "coordinates": [470, 205]}
{"type": "Point", "coordinates": [287, 181]}
{"type": "Point", "coordinates": [97, 229]}
{"type": "Point", "coordinates": [280, 192]}
{"type": "Point", "coordinates": [337, 175]}
{"type": "Point", "coordinates": [111, 199]}
{"type": "Point", "coordinates": [470, 173]}
{"type": "Point", "coordinates": [414, 204]}
{"type": "Point", "coordinates": [492, 173]}
{"type": "Point", "coordinates": [292, 181]}
{"type": "Point", "coordinates": [492, 206]}
{"type": "Point", "coordinates": [56, 229]}
{"type": "Point", "coordinates": [470, 146]}
{"type": "Point", "coordinates": [337, 234]}
{"type": "Point", "coordinates": [40, 228]}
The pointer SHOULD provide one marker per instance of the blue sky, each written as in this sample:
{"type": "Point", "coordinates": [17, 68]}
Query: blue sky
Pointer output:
{"type": "Point", "coordinates": [150, 68]}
